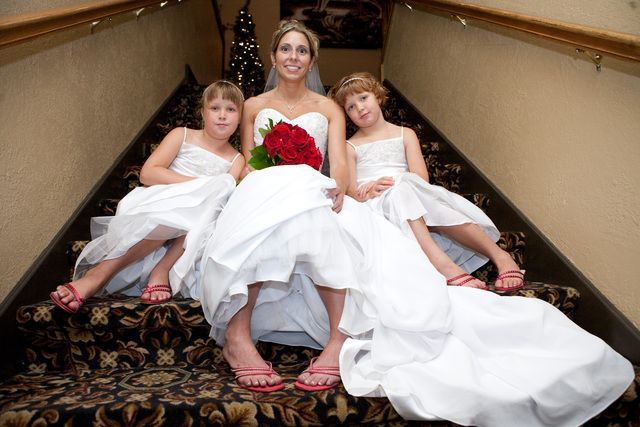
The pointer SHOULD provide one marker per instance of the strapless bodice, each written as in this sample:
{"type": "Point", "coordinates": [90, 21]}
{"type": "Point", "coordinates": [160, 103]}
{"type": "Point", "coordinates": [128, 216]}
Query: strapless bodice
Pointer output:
{"type": "Point", "coordinates": [313, 122]}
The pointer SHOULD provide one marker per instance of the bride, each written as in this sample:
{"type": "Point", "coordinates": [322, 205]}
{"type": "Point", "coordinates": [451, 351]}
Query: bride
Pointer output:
{"type": "Point", "coordinates": [294, 261]}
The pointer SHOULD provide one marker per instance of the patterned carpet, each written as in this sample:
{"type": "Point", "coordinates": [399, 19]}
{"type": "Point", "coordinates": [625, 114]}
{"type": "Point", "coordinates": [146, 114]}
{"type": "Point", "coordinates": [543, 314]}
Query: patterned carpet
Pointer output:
{"type": "Point", "coordinates": [117, 362]}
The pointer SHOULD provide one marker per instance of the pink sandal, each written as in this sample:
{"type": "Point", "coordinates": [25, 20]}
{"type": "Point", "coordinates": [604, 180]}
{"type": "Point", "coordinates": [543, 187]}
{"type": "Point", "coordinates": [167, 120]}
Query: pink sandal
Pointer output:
{"type": "Point", "coordinates": [55, 297]}
{"type": "Point", "coordinates": [511, 274]}
{"type": "Point", "coordinates": [325, 370]}
{"type": "Point", "coordinates": [467, 278]}
{"type": "Point", "coordinates": [245, 372]}
{"type": "Point", "coordinates": [155, 288]}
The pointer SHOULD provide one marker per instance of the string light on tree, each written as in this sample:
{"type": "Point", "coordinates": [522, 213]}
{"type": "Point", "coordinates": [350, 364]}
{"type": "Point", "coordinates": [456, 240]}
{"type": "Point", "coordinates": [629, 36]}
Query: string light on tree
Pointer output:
{"type": "Point", "coordinates": [245, 67]}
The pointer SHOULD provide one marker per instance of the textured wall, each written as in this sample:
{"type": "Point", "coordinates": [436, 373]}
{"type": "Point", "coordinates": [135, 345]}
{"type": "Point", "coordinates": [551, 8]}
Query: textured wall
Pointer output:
{"type": "Point", "coordinates": [559, 139]}
{"type": "Point", "coordinates": [333, 63]}
{"type": "Point", "coordinates": [70, 102]}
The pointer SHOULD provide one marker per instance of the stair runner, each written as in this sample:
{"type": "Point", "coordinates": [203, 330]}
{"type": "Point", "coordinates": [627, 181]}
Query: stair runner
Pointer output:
{"type": "Point", "coordinates": [117, 362]}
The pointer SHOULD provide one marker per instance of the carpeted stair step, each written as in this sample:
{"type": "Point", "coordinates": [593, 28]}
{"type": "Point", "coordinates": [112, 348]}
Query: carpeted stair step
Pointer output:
{"type": "Point", "coordinates": [108, 207]}
{"type": "Point", "coordinates": [481, 200]}
{"type": "Point", "coordinates": [174, 396]}
{"type": "Point", "coordinates": [119, 332]}
{"type": "Point", "coordinates": [118, 362]}
{"type": "Point", "coordinates": [448, 175]}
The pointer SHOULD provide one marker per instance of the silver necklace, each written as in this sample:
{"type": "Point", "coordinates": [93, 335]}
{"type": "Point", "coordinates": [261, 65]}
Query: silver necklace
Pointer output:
{"type": "Point", "coordinates": [291, 107]}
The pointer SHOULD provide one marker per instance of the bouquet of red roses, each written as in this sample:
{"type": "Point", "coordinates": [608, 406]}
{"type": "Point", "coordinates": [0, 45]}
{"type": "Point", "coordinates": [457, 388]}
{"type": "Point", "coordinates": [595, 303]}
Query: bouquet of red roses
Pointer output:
{"type": "Point", "coordinates": [285, 144]}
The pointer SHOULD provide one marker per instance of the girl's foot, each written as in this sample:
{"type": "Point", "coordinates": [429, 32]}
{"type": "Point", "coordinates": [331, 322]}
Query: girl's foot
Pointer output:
{"type": "Point", "coordinates": [509, 281]}
{"type": "Point", "coordinates": [241, 353]}
{"type": "Point", "coordinates": [456, 276]}
{"type": "Point", "coordinates": [329, 361]}
{"type": "Point", "coordinates": [85, 287]}
{"type": "Point", "coordinates": [158, 289]}
{"type": "Point", "coordinates": [466, 280]}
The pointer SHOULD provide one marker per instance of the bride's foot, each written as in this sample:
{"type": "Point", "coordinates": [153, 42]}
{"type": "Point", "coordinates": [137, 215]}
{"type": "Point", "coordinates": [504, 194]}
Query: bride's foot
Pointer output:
{"type": "Point", "coordinates": [252, 372]}
{"type": "Point", "coordinates": [71, 296]}
{"type": "Point", "coordinates": [157, 290]}
{"type": "Point", "coordinates": [509, 275]}
{"type": "Point", "coordinates": [324, 371]}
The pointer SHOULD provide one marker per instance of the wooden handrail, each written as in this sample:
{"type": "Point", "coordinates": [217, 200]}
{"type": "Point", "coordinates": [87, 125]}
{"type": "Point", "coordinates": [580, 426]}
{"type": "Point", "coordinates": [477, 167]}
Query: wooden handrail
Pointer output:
{"type": "Point", "coordinates": [22, 27]}
{"type": "Point", "coordinates": [622, 45]}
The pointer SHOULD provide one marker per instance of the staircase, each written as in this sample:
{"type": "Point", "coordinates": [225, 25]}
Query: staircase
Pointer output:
{"type": "Point", "coordinates": [118, 362]}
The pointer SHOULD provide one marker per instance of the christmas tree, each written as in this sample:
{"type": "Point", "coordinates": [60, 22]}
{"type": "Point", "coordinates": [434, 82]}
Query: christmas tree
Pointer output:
{"type": "Point", "coordinates": [245, 66]}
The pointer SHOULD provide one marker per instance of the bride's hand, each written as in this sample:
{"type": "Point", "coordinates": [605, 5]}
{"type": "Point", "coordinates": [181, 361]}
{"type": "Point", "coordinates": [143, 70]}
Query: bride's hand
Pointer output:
{"type": "Point", "coordinates": [338, 198]}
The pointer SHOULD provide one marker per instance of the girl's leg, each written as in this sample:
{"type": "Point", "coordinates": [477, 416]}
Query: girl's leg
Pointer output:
{"type": "Point", "coordinates": [472, 236]}
{"type": "Point", "coordinates": [160, 273]}
{"type": "Point", "coordinates": [438, 258]}
{"type": "Point", "coordinates": [100, 274]}
{"type": "Point", "coordinates": [239, 350]}
{"type": "Point", "coordinates": [333, 300]}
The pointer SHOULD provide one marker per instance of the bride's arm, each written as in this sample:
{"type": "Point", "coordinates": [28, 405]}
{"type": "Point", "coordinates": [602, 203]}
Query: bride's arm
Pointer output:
{"type": "Point", "coordinates": [337, 152]}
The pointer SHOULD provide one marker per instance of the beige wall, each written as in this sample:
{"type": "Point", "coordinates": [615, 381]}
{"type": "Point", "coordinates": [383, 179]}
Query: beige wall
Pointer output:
{"type": "Point", "coordinates": [333, 63]}
{"type": "Point", "coordinates": [559, 139]}
{"type": "Point", "coordinates": [70, 103]}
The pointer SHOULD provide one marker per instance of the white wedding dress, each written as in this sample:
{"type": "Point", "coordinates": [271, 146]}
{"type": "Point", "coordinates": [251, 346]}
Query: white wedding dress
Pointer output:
{"type": "Point", "coordinates": [461, 354]}
{"type": "Point", "coordinates": [163, 212]}
{"type": "Point", "coordinates": [411, 197]}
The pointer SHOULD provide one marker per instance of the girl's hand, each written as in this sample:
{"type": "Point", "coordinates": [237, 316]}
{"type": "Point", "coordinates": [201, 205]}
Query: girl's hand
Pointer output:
{"type": "Point", "coordinates": [375, 188]}
{"type": "Point", "coordinates": [338, 198]}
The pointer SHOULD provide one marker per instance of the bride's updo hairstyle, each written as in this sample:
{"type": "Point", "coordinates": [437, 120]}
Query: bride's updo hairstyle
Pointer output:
{"type": "Point", "coordinates": [358, 83]}
{"type": "Point", "coordinates": [287, 25]}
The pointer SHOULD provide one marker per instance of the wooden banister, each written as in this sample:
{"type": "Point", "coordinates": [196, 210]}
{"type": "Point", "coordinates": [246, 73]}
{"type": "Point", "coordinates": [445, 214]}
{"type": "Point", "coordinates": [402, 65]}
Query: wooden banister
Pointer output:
{"type": "Point", "coordinates": [22, 27]}
{"type": "Point", "coordinates": [622, 45]}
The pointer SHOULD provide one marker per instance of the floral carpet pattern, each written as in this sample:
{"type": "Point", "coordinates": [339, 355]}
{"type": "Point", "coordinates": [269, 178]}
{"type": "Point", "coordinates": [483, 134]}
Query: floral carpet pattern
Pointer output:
{"type": "Point", "coordinates": [117, 362]}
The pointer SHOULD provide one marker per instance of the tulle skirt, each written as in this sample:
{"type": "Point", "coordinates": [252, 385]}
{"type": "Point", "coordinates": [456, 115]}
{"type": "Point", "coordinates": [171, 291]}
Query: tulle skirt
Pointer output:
{"type": "Point", "coordinates": [411, 198]}
{"type": "Point", "coordinates": [460, 354]}
{"type": "Point", "coordinates": [159, 212]}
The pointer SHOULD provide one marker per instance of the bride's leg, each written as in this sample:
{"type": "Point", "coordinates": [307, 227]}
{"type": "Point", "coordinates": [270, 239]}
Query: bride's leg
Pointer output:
{"type": "Point", "coordinates": [438, 258]}
{"type": "Point", "coordinates": [333, 300]}
{"type": "Point", "coordinates": [239, 351]}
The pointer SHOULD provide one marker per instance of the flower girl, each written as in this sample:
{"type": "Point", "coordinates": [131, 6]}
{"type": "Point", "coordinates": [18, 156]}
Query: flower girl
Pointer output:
{"type": "Point", "coordinates": [390, 175]}
{"type": "Point", "coordinates": [187, 179]}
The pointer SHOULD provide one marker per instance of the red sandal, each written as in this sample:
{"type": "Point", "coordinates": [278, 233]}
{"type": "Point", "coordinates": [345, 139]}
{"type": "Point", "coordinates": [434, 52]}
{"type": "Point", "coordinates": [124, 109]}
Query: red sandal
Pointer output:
{"type": "Point", "coordinates": [325, 370]}
{"type": "Point", "coordinates": [268, 371]}
{"type": "Point", "coordinates": [55, 297]}
{"type": "Point", "coordinates": [155, 288]}
{"type": "Point", "coordinates": [511, 274]}
{"type": "Point", "coordinates": [467, 278]}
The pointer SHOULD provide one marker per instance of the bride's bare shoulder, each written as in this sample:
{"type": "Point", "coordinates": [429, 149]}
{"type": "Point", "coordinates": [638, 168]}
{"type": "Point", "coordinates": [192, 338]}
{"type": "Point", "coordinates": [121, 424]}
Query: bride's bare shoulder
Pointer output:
{"type": "Point", "coordinates": [325, 105]}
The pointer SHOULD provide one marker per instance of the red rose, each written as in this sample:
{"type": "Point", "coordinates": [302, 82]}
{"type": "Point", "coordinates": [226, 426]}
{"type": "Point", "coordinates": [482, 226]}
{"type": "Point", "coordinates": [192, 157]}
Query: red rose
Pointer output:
{"type": "Point", "coordinates": [275, 139]}
{"type": "Point", "coordinates": [288, 144]}
{"type": "Point", "coordinates": [290, 155]}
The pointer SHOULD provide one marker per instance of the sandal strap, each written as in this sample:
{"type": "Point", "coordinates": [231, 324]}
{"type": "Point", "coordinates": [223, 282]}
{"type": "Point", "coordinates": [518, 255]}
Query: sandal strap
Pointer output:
{"type": "Point", "coordinates": [511, 274]}
{"type": "Point", "coordinates": [467, 280]}
{"type": "Point", "coordinates": [74, 292]}
{"type": "Point", "coordinates": [156, 288]}
{"type": "Point", "coordinates": [246, 371]}
{"type": "Point", "coordinates": [325, 370]}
